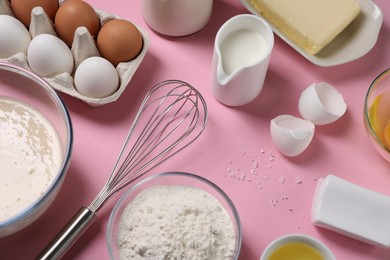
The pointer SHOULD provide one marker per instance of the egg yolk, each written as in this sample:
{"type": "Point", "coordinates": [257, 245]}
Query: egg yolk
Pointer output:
{"type": "Point", "coordinates": [379, 121]}
{"type": "Point", "coordinates": [375, 120]}
{"type": "Point", "coordinates": [386, 133]}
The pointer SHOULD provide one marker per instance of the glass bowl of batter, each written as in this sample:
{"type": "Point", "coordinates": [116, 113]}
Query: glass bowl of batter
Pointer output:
{"type": "Point", "coordinates": [174, 215]}
{"type": "Point", "coordinates": [35, 147]}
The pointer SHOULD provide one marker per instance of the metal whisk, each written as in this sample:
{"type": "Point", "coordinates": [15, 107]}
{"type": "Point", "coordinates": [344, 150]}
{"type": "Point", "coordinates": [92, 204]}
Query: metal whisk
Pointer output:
{"type": "Point", "coordinates": [172, 115]}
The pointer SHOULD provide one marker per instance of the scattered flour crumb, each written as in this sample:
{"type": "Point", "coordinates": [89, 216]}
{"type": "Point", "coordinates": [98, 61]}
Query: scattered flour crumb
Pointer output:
{"type": "Point", "coordinates": [175, 222]}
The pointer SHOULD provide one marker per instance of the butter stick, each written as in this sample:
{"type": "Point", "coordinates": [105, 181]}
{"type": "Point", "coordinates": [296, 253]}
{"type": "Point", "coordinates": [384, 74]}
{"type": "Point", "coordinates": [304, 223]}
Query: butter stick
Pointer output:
{"type": "Point", "coordinates": [311, 24]}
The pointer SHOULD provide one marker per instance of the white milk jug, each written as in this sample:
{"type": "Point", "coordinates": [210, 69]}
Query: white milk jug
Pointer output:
{"type": "Point", "coordinates": [242, 51]}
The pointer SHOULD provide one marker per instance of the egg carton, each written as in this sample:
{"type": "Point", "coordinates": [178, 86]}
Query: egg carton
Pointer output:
{"type": "Point", "coordinates": [82, 48]}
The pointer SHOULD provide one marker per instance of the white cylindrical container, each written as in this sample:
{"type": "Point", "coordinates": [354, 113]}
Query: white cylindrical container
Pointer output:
{"type": "Point", "coordinates": [176, 17]}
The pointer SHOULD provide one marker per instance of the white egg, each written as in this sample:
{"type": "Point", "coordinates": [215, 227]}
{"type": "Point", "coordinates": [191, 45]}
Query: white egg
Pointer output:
{"type": "Point", "coordinates": [321, 103]}
{"type": "Point", "coordinates": [291, 135]}
{"type": "Point", "coordinates": [48, 56]}
{"type": "Point", "coordinates": [14, 37]}
{"type": "Point", "coordinates": [96, 77]}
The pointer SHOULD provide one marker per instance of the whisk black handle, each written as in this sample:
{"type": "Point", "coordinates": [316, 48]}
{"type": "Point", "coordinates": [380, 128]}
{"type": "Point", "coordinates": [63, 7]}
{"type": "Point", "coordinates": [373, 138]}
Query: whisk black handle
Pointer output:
{"type": "Point", "coordinates": [81, 221]}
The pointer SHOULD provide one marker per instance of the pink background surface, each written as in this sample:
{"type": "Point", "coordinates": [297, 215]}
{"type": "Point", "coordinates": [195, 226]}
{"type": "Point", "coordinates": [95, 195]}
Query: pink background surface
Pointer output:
{"type": "Point", "coordinates": [274, 202]}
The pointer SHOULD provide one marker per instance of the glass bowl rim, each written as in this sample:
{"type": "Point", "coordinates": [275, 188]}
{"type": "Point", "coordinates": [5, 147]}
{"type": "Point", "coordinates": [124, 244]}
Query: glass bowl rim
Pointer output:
{"type": "Point", "coordinates": [114, 211]}
{"type": "Point", "coordinates": [68, 149]}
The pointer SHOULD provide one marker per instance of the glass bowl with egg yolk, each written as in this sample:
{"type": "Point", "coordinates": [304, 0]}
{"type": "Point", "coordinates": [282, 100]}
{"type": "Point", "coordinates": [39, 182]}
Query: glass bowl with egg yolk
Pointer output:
{"type": "Point", "coordinates": [377, 113]}
{"type": "Point", "coordinates": [35, 147]}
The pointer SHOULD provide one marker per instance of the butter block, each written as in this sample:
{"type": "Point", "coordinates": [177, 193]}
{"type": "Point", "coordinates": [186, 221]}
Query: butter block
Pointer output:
{"type": "Point", "coordinates": [311, 24]}
{"type": "Point", "coordinates": [352, 210]}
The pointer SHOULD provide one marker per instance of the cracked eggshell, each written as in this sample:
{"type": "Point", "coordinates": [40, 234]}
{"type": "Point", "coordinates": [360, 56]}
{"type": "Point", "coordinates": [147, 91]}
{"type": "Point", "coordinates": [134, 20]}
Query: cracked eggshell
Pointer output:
{"type": "Point", "coordinates": [291, 135]}
{"type": "Point", "coordinates": [321, 103]}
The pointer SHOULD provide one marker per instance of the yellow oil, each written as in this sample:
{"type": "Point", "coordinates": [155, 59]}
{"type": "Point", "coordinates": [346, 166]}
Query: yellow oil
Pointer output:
{"type": "Point", "coordinates": [296, 251]}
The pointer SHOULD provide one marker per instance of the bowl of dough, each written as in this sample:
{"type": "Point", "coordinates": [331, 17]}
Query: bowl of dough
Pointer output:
{"type": "Point", "coordinates": [174, 215]}
{"type": "Point", "coordinates": [35, 147]}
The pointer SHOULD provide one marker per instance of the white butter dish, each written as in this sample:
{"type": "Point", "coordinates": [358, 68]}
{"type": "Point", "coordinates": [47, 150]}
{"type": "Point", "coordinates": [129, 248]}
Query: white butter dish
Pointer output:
{"type": "Point", "coordinates": [352, 210]}
{"type": "Point", "coordinates": [352, 43]}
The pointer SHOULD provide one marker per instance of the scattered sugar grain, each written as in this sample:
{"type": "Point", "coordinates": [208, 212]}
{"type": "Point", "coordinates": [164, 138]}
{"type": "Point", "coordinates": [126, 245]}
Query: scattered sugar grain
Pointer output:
{"type": "Point", "coordinates": [273, 202]}
{"type": "Point", "coordinates": [242, 152]}
{"type": "Point", "coordinates": [283, 197]}
{"type": "Point", "coordinates": [255, 165]}
{"type": "Point", "coordinates": [298, 181]}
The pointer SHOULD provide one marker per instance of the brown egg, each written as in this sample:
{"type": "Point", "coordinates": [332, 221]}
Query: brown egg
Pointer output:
{"type": "Point", "coordinates": [73, 14]}
{"type": "Point", "coordinates": [119, 41]}
{"type": "Point", "coordinates": [22, 9]}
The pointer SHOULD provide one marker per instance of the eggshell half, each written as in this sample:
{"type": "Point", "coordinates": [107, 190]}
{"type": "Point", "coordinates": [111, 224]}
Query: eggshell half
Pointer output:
{"type": "Point", "coordinates": [321, 103]}
{"type": "Point", "coordinates": [291, 135]}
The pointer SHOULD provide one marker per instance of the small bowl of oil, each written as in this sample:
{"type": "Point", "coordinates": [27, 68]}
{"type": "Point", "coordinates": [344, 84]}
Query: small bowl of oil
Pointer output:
{"type": "Point", "coordinates": [377, 113]}
{"type": "Point", "coordinates": [297, 246]}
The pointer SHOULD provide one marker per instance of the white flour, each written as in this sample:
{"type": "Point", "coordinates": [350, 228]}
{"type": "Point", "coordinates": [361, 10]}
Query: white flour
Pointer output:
{"type": "Point", "coordinates": [175, 222]}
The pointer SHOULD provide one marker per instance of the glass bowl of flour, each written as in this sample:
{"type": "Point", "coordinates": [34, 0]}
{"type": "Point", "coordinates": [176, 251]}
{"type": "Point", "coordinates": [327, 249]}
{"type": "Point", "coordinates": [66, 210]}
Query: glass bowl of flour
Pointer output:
{"type": "Point", "coordinates": [174, 215]}
{"type": "Point", "coordinates": [35, 147]}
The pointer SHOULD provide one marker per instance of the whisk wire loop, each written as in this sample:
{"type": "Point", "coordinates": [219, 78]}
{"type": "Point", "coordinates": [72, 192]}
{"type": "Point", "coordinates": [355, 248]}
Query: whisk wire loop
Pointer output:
{"type": "Point", "coordinates": [146, 140]}
{"type": "Point", "coordinates": [174, 117]}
